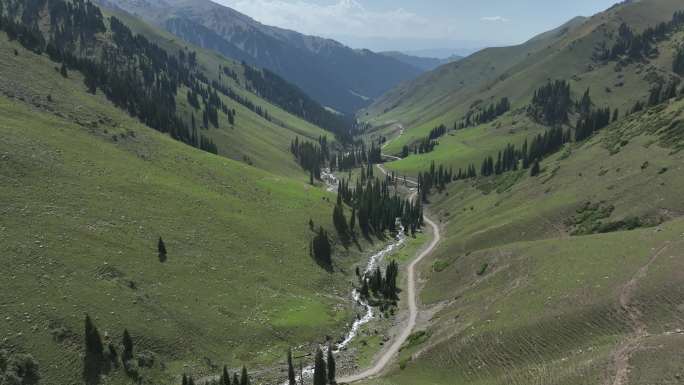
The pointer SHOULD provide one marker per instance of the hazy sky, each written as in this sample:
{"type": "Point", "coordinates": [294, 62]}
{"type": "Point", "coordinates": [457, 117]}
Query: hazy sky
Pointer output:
{"type": "Point", "coordinates": [418, 23]}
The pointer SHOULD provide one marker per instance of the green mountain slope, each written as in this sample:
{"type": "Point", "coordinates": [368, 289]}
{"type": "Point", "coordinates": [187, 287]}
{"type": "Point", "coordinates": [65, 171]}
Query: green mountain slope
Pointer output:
{"type": "Point", "coordinates": [88, 190]}
{"type": "Point", "coordinates": [446, 95]}
{"type": "Point", "coordinates": [539, 280]}
{"type": "Point", "coordinates": [262, 142]}
{"type": "Point", "coordinates": [570, 276]}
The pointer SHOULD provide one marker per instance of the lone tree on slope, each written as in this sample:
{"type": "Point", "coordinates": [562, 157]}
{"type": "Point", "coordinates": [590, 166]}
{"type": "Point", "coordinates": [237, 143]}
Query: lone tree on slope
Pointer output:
{"type": "Point", "coordinates": [93, 360]}
{"type": "Point", "coordinates": [161, 247]}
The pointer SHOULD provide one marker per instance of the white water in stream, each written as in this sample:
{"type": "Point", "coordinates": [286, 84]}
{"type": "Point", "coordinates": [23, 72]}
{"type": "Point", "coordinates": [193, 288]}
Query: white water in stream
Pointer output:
{"type": "Point", "coordinates": [307, 372]}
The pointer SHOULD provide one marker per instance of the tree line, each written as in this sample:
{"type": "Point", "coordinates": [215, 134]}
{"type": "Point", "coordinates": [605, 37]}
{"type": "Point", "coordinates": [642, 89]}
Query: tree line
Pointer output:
{"type": "Point", "coordinates": [311, 156]}
{"type": "Point", "coordinates": [424, 146]}
{"type": "Point", "coordinates": [356, 156]}
{"type": "Point", "coordinates": [485, 115]}
{"type": "Point", "coordinates": [381, 289]}
{"type": "Point", "coordinates": [376, 209]}
{"type": "Point", "coordinates": [636, 46]}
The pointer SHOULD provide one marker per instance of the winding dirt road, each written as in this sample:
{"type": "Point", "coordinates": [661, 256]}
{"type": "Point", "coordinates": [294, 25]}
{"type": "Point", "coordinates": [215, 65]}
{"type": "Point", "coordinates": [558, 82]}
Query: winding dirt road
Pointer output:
{"type": "Point", "coordinates": [389, 354]}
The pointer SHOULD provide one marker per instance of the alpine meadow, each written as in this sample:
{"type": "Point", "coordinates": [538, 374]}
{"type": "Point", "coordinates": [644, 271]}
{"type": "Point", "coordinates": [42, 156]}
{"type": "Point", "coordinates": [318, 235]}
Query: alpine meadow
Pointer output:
{"type": "Point", "coordinates": [228, 192]}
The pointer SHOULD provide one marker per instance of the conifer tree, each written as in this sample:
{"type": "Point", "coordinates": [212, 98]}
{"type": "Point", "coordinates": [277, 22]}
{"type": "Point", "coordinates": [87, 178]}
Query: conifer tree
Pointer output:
{"type": "Point", "coordinates": [63, 71]}
{"type": "Point", "coordinates": [331, 365]}
{"type": "Point", "coordinates": [94, 353]}
{"type": "Point", "coordinates": [535, 168]}
{"type": "Point", "coordinates": [225, 376]}
{"type": "Point", "coordinates": [128, 346]}
{"type": "Point", "coordinates": [339, 219]}
{"type": "Point", "coordinates": [352, 221]}
{"type": "Point", "coordinates": [244, 379]}
{"type": "Point", "coordinates": [161, 247]}
{"type": "Point", "coordinates": [236, 379]}
{"type": "Point", "coordinates": [292, 379]}
{"type": "Point", "coordinates": [320, 376]}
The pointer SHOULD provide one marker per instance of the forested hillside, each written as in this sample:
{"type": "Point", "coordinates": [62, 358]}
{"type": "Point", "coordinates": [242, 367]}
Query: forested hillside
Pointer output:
{"type": "Point", "coordinates": [336, 76]}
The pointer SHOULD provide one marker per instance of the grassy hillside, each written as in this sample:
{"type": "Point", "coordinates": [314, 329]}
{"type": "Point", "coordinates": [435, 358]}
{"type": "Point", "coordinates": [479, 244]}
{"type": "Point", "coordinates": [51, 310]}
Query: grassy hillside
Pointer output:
{"type": "Point", "coordinates": [538, 280]}
{"type": "Point", "coordinates": [262, 143]}
{"type": "Point", "coordinates": [446, 95]}
{"type": "Point", "coordinates": [88, 191]}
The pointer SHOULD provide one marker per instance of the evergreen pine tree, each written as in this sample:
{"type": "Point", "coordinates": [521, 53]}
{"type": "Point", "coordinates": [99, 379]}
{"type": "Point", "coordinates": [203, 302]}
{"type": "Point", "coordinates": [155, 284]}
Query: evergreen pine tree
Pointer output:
{"type": "Point", "coordinates": [292, 380]}
{"type": "Point", "coordinates": [331, 365]}
{"type": "Point", "coordinates": [236, 379]}
{"type": "Point", "coordinates": [225, 376]}
{"type": "Point", "coordinates": [128, 346]}
{"type": "Point", "coordinates": [352, 221]}
{"type": "Point", "coordinates": [63, 71]}
{"type": "Point", "coordinates": [535, 168]}
{"type": "Point", "coordinates": [244, 379]}
{"type": "Point", "coordinates": [320, 376]}
{"type": "Point", "coordinates": [161, 247]}
{"type": "Point", "coordinates": [94, 353]}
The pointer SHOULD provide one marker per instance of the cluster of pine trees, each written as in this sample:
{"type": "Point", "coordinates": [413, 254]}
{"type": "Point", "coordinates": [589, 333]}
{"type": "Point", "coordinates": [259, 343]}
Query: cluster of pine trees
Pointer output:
{"type": "Point", "coordinates": [324, 370]}
{"type": "Point", "coordinates": [381, 287]}
{"type": "Point", "coordinates": [591, 122]}
{"type": "Point", "coordinates": [223, 379]}
{"type": "Point", "coordinates": [357, 156]}
{"type": "Point", "coordinates": [636, 46]}
{"type": "Point", "coordinates": [212, 105]}
{"type": "Point", "coordinates": [552, 103]}
{"type": "Point", "coordinates": [311, 156]}
{"type": "Point", "coordinates": [99, 360]}
{"type": "Point", "coordinates": [486, 115]}
{"type": "Point", "coordinates": [437, 177]}
{"type": "Point", "coordinates": [662, 92]}
{"type": "Point", "coordinates": [423, 146]}
{"type": "Point", "coordinates": [426, 144]}
{"type": "Point", "coordinates": [508, 160]}
{"type": "Point", "coordinates": [376, 209]}
{"type": "Point", "coordinates": [437, 132]}
{"type": "Point", "coordinates": [245, 102]}
{"type": "Point", "coordinates": [276, 90]}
